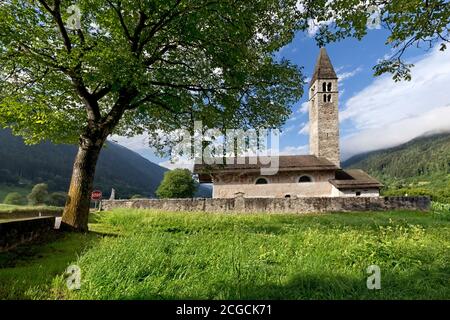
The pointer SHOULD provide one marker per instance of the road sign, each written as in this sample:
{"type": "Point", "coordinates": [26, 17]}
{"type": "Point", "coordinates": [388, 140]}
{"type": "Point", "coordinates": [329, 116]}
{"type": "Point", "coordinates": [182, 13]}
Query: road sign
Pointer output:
{"type": "Point", "coordinates": [96, 195]}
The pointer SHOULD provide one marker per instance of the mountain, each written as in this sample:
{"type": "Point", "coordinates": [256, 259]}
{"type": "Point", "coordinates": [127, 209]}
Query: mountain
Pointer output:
{"type": "Point", "coordinates": [422, 164]}
{"type": "Point", "coordinates": [118, 167]}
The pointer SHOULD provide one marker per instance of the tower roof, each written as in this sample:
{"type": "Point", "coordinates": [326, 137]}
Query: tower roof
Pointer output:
{"type": "Point", "coordinates": [324, 69]}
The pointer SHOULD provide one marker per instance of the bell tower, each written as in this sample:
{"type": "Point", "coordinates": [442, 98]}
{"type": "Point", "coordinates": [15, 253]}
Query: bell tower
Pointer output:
{"type": "Point", "coordinates": [323, 111]}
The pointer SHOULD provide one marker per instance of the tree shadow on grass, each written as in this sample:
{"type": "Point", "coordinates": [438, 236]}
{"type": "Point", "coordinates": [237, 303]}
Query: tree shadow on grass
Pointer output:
{"type": "Point", "coordinates": [418, 285]}
{"type": "Point", "coordinates": [36, 264]}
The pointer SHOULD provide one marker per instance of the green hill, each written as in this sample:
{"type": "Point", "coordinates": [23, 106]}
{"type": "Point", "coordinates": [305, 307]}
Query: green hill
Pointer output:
{"type": "Point", "coordinates": [22, 166]}
{"type": "Point", "coordinates": [421, 166]}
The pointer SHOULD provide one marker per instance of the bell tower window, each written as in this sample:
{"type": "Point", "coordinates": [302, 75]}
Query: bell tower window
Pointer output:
{"type": "Point", "coordinates": [329, 87]}
{"type": "Point", "coordinates": [324, 87]}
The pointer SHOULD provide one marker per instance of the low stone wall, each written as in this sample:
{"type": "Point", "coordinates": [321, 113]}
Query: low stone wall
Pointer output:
{"type": "Point", "coordinates": [14, 233]}
{"type": "Point", "coordinates": [276, 205]}
{"type": "Point", "coordinates": [30, 213]}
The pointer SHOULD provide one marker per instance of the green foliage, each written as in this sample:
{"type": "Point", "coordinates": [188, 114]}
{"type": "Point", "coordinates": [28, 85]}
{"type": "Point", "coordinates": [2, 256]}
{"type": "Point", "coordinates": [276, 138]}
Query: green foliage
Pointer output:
{"type": "Point", "coordinates": [151, 64]}
{"type": "Point", "coordinates": [57, 199]}
{"type": "Point", "coordinates": [177, 183]}
{"type": "Point", "coordinates": [137, 196]}
{"type": "Point", "coordinates": [38, 195]}
{"type": "Point", "coordinates": [15, 198]}
{"type": "Point", "coordinates": [410, 23]}
{"type": "Point", "coordinates": [441, 210]}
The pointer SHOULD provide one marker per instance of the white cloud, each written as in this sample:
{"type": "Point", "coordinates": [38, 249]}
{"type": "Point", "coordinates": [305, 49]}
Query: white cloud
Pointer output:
{"type": "Point", "coordinates": [287, 130]}
{"type": "Point", "coordinates": [304, 128]}
{"type": "Point", "coordinates": [385, 113]}
{"type": "Point", "coordinates": [436, 120]}
{"type": "Point", "coordinates": [291, 150]}
{"type": "Point", "coordinates": [304, 108]}
{"type": "Point", "coordinates": [182, 163]}
{"type": "Point", "coordinates": [349, 74]}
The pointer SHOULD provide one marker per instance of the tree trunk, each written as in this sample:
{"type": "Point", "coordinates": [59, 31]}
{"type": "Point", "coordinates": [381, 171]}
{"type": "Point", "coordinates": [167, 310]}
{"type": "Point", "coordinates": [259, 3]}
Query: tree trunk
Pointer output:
{"type": "Point", "coordinates": [76, 211]}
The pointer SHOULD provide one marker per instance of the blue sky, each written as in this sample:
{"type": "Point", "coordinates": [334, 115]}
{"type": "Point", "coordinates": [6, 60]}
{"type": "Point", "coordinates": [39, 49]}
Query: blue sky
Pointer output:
{"type": "Point", "coordinates": [375, 113]}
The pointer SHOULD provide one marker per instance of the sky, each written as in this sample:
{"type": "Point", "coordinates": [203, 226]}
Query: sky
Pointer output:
{"type": "Point", "coordinates": [374, 112]}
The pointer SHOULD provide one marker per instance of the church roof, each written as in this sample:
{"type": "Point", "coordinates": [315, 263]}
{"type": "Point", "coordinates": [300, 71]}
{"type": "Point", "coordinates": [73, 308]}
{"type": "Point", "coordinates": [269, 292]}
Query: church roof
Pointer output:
{"type": "Point", "coordinates": [354, 178]}
{"type": "Point", "coordinates": [324, 68]}
{"type": "Point", "coordinates": [286, 163]}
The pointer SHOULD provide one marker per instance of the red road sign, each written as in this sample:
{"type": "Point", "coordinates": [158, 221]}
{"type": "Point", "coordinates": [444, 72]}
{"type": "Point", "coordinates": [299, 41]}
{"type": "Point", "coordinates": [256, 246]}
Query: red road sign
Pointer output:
{"type": "Point", "coordinates": [96, 195]}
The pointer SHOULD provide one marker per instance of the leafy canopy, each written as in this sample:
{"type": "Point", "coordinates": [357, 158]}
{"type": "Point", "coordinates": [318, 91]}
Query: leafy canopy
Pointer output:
{"type": "Point", "coordinates": [153, 65]}
{"type": "Point", "coordinates": [410, 23]}
{"type": "Point", "coordinates": [177, 183]}
{"type": "Point", "coordinates": [157, 65]}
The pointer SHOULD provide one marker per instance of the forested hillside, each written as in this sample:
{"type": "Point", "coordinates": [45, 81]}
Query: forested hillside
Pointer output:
{"type": "Point", "coordinates": [118, 167]}
{"type": "Point", "coordinates": [419, 166]}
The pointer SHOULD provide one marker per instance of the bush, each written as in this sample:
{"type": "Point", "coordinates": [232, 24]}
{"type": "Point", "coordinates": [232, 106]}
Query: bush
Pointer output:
{"type": "Point", "coordinates": [177, 183]}
{"type": "Point", "coordinates": [57, 199]}
{"type": "Point", "coordinates": [15, 198]}
{"type": "Point", "coordinates": [38, 194]}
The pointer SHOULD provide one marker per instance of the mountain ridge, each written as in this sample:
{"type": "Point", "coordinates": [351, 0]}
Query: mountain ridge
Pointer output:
{"type": "Point", "coordinates": [419, 166]}
{"type": "Point", "coordinates": [118, 167]}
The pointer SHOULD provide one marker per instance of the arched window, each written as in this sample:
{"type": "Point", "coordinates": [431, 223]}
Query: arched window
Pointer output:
{"type": "Point", "coordinates": [288, 196]}
{"type": "Point", "coordinates": [304, 179]}
{"type": "Point", "coordinates": [329, 87]}
{"type": "Point", "coordinates": [324, 87]}
{"type": "Point", "coordinates": [261, 181]}
{"type": "Point", "coordinates": [329, 98]}
{"type": "Point", "coordinates": [324, 98]}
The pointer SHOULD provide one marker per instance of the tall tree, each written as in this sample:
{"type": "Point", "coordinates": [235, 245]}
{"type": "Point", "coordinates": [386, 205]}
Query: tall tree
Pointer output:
{"type": "Point", "coordinates": [78, 74]}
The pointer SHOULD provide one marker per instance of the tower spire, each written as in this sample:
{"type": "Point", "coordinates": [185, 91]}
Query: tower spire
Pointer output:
{"type": "Point", "coordinates": [324, 111]}
{"type": "Point", "coordinates": [324, 68]}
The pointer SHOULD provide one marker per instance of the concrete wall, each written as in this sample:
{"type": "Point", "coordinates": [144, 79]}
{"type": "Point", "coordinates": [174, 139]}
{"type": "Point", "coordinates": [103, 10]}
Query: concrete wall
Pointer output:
{"type": "Point", "coordinates": [14, 233]}
{"type": "Point", "coordinates": [276, 205]}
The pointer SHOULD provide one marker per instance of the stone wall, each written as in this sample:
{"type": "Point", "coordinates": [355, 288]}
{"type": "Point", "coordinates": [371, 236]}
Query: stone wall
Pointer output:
{"type": "Point", "coordinates": [14, 233]}
{"type": "Point", "coordinates": [276, 205]}
{"type": "Point", "coordinates": [27, 213]}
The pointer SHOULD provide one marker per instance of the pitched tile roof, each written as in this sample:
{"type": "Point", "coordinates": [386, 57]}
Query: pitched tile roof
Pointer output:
{"type": "Point", "coordinates": [252, 164]}
{"type": "Point", "coordinates": [354, 178]}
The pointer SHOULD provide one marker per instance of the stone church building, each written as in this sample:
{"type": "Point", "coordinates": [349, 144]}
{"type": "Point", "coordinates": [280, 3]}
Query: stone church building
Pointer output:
{"type": "Point", "coordinates": [316, 175]}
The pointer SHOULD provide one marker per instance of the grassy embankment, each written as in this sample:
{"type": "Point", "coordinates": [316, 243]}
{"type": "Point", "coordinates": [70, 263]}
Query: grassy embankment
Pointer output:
{"type": "Point", "coordinates": [131, 254]}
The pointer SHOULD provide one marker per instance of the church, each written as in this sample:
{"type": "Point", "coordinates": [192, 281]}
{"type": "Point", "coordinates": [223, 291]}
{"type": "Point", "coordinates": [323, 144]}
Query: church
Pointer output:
{"type": "Point", "coordinates": [316, 175]}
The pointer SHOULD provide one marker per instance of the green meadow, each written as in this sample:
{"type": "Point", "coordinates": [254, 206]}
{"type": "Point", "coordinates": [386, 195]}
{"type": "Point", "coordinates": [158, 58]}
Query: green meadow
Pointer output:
{"type": "Point", "coordinates": [143, 254]}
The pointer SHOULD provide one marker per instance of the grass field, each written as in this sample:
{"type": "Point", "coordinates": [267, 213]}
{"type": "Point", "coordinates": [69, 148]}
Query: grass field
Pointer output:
{"type": "Point", "coordinates": [132, 254]}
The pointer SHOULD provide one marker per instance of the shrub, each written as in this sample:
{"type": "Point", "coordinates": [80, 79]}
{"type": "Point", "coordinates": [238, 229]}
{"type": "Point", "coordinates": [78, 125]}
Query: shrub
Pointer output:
{"type": "Point", "coordinates": [15, 198]}
{"type": "Point", "coordinates": [177, 183]}
{"type": "Point", "coordinates": [57, 199]}
{"type": "Point", "coordinates": [38, 194]}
